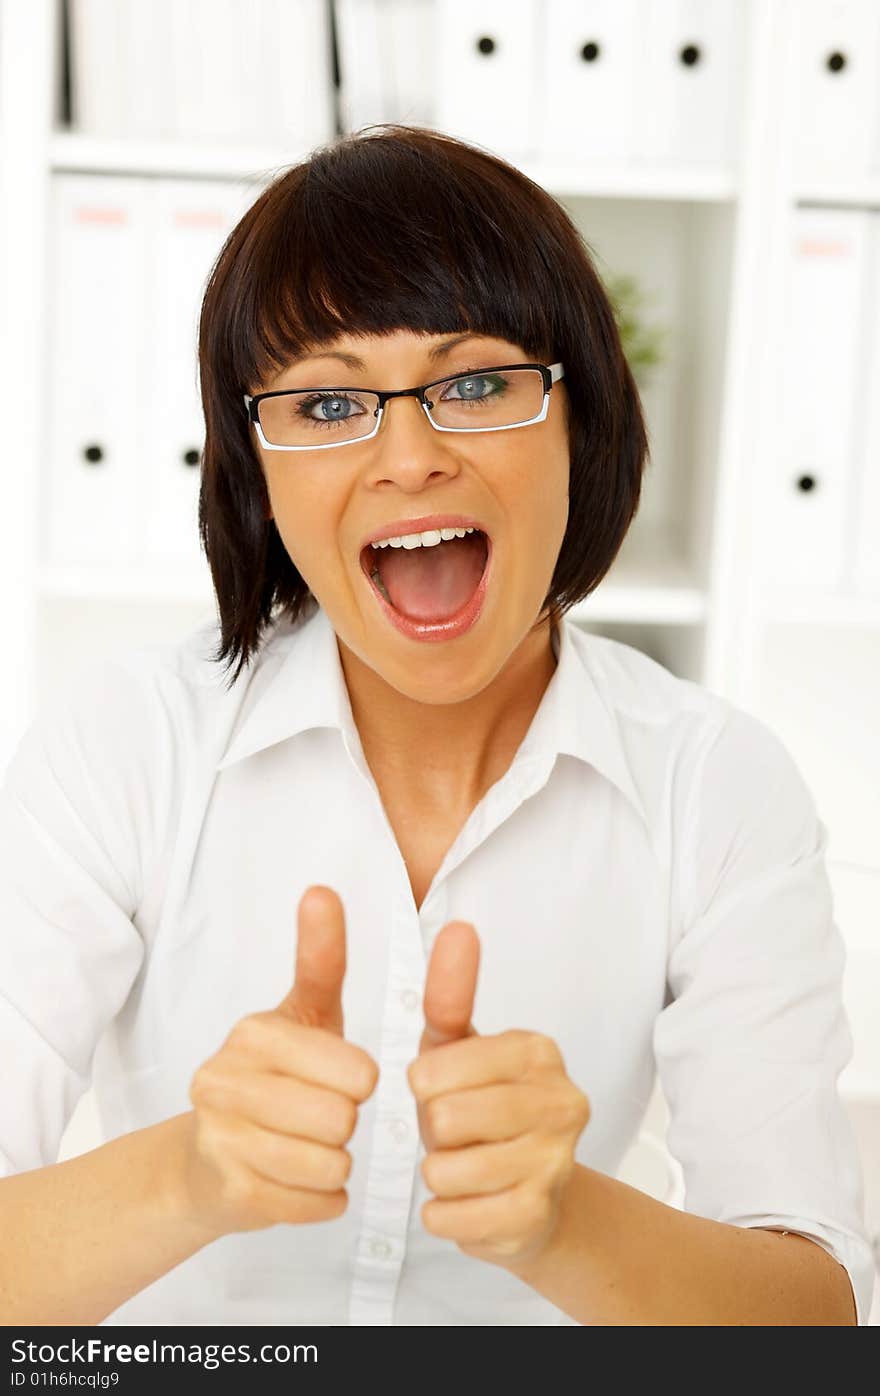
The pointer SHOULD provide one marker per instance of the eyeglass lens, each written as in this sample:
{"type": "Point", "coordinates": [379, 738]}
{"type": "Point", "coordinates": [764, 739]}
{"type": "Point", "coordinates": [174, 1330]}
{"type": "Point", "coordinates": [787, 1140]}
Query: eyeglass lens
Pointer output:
{"type": "Point", "coordinates": [324, 416]}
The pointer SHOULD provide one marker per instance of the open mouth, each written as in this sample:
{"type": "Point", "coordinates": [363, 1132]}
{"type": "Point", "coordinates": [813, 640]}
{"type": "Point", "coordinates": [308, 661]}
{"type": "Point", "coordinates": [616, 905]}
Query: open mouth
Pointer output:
{"type": "Point", "coordinates": [434, 583]}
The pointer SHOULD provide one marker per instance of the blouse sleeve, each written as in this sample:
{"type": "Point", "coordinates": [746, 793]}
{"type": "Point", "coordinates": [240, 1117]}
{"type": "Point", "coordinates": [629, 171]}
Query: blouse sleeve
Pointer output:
{"type": "Point", "coordinates": [72, 800]}
{"type": "Point", "coordinates": [754, 1035]}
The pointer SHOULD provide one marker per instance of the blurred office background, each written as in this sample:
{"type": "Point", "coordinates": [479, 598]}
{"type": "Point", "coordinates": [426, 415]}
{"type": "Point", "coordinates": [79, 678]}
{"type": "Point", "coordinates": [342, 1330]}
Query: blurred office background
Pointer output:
{"type": "Point", "coordinates": [722, 161]}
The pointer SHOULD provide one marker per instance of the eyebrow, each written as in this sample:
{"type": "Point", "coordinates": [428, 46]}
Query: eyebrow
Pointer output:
{"type": "Point", "coordinates": [352, 361]}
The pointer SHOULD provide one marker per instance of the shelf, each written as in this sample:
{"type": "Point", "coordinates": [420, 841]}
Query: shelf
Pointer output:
{"type": "Point", "coordinates": [658, 590]}
{"type": "Point", "coordinates": [809, 607]}
{"type": "Point", "coordinates": [861, 192]}
{"type": "Point", "coordinates": [69, 151]}
{"type": "Point", "coordinates": [647, 585]}
{"type": "Point", "coordinates": [125, 584]}
{"type": "Point", "coordinates": [687, 185]}
{"type": "Point", "coordinates": [859, 1088]}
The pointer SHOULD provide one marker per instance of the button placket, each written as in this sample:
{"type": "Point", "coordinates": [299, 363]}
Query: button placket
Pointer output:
{"type": "Point", "coordinates": [392, 1159]}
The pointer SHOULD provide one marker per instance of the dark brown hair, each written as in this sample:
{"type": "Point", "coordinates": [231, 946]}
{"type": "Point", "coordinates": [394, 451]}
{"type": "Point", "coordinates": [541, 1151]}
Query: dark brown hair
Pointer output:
{"type": "Point", "coordinates": [402, 227]}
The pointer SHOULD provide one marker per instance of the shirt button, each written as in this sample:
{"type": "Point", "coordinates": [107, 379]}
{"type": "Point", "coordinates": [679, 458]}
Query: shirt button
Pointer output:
{"type": "Point", "coordinates": [380, 1248]}
{"type": "Point", "coordinates": [410, 999]}
{"type": "Point", "coordinates": [399, 1128]}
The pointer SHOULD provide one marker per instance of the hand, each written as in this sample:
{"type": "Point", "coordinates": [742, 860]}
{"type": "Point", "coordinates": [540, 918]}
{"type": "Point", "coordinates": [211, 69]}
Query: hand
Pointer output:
{"type": "Point", "coordinates": [498, 1116]}
{"type": "Point", "coordinates": [275, 1105]}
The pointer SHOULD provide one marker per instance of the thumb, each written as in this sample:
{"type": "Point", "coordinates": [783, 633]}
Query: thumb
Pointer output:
{"type": "Point", "coordinates": [316, 997]}
{"type": "Point", "coordinates": [451, 985]}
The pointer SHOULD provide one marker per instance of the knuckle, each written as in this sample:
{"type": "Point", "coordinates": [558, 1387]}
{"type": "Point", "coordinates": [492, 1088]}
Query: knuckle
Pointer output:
{"type": "Point", "coordinates": [432, 1172]}
{"type": "Point", "coordinates": [542, 1052]}
{"type": "Point", "coordinates": [206, 1088]}
{"type": "Point", "coordinates": [577, 1110]}
{"type": "Point", "coordinates": [336, 1204]}
{"type": "Point", "coordinates": [519, 1039]}
{"type": "Point", "coordinates": [557, 1163]}
{"type": "Point", "coordinates": [540, 1208]}
{"type": "Point", "coordinates": [437, 1117]}
{"type": "Point", "coordinates": [341, 1172]}
{"type": "Point", "coordinates": [249, 1032]}
{"type": "Point", "coordinates": [369, 1076]}
{"type": "Point", "coordinates": [344, 1120]}
{"type": "Point", "coordinates": [243, 1189]}
{"type": "Point", "coordinates": [333, 1169]}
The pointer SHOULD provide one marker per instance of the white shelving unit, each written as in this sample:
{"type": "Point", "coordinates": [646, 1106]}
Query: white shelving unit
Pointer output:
{"type": "Point", "coordinates": [713, 245]}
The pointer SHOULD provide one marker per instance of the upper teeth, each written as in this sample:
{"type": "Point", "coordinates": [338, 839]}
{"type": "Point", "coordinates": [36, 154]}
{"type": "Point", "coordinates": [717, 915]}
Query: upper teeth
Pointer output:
{"type": "Point", "coordinates": [429, 539]}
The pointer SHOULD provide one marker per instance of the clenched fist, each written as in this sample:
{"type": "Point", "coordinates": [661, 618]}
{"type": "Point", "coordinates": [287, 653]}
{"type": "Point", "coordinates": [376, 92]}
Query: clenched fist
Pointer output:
{"type": "Point", "coordinates": [275, 1106]}
{"type": "Point", "coordinates": [499, 1117]}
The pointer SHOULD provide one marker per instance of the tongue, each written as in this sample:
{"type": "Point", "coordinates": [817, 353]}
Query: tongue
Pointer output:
{"type": "Point", "coordinates": [433, 583]}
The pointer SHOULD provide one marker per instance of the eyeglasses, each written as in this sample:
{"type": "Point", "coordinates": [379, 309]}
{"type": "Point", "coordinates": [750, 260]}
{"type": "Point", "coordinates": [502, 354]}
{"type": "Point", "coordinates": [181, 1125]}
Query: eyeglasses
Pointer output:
{"type": "Point", "coordinates": [488, 399]}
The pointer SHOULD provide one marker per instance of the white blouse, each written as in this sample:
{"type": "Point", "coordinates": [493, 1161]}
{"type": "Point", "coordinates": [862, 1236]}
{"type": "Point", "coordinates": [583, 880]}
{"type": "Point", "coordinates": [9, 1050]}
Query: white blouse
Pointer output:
{"type": "Point", "coordinates": [647, 880]}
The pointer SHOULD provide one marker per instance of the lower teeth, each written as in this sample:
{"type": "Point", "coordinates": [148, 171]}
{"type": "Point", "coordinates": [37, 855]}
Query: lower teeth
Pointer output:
{"type": "Point", "coordinates": [380, 586]}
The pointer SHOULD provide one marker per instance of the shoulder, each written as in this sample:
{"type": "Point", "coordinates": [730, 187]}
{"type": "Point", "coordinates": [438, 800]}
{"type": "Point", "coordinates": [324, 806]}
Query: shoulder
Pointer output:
{"type": "Point", "coordinates": [663, 722]}
{"type": "Point", "coordinates": [710, 773]}
{"type": "Point", "coordinates": [123, 729]}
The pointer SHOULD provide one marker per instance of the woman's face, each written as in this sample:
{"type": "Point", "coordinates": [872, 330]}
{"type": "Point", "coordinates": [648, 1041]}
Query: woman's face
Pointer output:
{"type": "Point", "coordinates": [327, 504]}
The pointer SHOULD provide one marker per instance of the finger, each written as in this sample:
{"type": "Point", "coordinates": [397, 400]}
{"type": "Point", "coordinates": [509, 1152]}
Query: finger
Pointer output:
{"type": "Point", "coordinates": [451, 985]}
{"type": "Point", "coordinates": [285, 1105]}
{"type": "Point", "coordinates": [316, 997]}
{"type": "Point", "coordinates": [470, 1062]}
{"type": "Point", "coordinates": [479, 1168]}
{"type": "Point", "coordinates": [293, 1162]}
{"type": "Point", "coordinates": [272, 1042]}
{"type": "Point", "coordinates": [484, 1115]}
{"type": "Point", "coordinates": [469, 1220]}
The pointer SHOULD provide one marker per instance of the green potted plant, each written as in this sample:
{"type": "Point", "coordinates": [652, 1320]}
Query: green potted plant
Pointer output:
{"type": "Point", "coordinates": [643, 343]}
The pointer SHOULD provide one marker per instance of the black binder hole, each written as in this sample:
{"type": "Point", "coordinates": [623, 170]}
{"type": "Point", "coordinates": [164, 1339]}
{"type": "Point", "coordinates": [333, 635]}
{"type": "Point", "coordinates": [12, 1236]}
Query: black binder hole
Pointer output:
{"type": "Point", "coordinates": [590, 52]}
{"type": "Point", "coordinates": [836, 61]}
{"type": "Point", "coordinates": [93, 454]}
{"type": "Point", "coordinates": [191, 457]}
{"type": "Point", "coordinates": [690, 55]}
{"type": "Point", "coordinates": [485, 44]}
{"type": "Point", "coordinates": [806, 483]}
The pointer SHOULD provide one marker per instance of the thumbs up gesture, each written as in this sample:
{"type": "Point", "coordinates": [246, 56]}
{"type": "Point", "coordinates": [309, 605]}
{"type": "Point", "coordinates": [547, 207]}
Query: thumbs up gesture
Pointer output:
{"type": "Point", "coordinates": [498, 1116]}
{"type": "Point", "coordinates": [275, 1105]}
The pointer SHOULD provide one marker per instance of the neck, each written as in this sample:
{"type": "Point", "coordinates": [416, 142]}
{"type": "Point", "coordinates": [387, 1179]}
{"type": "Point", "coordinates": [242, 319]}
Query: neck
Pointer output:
{"type": "Point", "coordinates": [458, 749]}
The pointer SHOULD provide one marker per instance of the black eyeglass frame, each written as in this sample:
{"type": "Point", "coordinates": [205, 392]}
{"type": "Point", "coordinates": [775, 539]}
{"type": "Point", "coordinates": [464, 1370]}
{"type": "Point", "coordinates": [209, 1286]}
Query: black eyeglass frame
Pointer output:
{"type": "Point", "coordinates": [549, 375]}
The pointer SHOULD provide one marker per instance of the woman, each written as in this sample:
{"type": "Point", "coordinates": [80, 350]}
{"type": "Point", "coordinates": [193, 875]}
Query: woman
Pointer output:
{"type": "Point", "coordinates": [525, 865]}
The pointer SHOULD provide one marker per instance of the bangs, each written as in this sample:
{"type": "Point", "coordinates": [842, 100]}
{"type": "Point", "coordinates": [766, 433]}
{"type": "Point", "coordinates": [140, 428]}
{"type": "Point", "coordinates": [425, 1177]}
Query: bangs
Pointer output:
{"type": "Point", "coordinates": [385, 236]}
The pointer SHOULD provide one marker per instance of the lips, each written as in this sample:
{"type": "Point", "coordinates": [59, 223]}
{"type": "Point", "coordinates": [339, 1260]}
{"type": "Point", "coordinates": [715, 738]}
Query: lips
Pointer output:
{"type": "Point", "coordinates": [444, 628]}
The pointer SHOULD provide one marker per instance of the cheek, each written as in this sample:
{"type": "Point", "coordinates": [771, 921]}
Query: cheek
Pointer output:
{"type": "Point", "coordinates": [306, 516]}
{"type": "Point", "coordinates": [542, 485]}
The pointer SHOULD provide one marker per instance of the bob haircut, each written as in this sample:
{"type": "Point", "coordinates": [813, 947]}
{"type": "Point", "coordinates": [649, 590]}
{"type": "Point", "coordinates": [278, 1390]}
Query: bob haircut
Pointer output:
{"type": "Point", "coordinates": [402, 227]}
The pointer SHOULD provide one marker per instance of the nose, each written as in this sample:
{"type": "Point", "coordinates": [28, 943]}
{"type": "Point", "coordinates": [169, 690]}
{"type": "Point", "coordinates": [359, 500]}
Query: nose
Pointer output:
{"type": "Point", "coordinates": [409, 450]}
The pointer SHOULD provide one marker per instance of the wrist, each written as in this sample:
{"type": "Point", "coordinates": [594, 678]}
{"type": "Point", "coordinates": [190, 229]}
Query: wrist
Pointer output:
{"type": "Point", "coordinates": [179, 1187]}
{"type": "Point", "coordinates": [533, 1267]}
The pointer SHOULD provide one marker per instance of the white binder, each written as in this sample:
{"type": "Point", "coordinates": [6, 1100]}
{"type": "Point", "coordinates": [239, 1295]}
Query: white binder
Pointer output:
{"type": "Point", "coordinates": [188, 222]}
{"type": "Point", "coordinates": [588, 94]}
{"type": "Point", "coordinates": [690, 81]}
{"type": "Point", "coordinates": [98, 299]}
{"type": "Point", "coordinates": [147, 70]}
{"type": "Point", "coordinates": [222, 89]}
{"type": "Point", "coordinates": [805, 502]}
{"type": "Point", "coordinates": [410, 46]}
{"type": "Point", "coordinates": [837, 50]}
{"type": "Point", "coordinates": [363, 85]}
{"type": "Point", "coordinates": [488, 74]}
{"type": "Point", "coordinates": [864, 522]}
{"type": "Point", "coordinates": [299, 65]}
{"type": "Point", "coordinates": [97, 32]}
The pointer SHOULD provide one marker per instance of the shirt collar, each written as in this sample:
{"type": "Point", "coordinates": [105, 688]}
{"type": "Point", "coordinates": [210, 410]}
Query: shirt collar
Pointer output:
{"type": "Point", "coordinates": [305, 688]}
